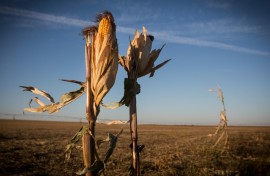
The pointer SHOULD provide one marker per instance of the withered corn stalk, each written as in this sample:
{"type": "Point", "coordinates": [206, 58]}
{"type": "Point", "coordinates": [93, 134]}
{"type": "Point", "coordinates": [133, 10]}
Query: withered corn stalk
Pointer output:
{"type": "Point", "coordinates": [222, 127]}
{"type": "Point", "coordinates": [138, 62]}
{"type": "Point", "coordinates": [101, 58]}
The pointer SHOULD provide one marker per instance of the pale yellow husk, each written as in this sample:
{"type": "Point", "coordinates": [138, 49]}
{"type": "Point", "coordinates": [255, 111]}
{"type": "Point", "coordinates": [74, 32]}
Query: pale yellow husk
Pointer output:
{"type": "Point", "coordinates": [104, 65]}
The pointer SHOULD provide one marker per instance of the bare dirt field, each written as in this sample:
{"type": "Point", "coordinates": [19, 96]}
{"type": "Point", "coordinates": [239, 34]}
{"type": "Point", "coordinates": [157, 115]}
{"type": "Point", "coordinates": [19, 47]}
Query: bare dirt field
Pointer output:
{"type": "Point", "coordinates": [37, 148]}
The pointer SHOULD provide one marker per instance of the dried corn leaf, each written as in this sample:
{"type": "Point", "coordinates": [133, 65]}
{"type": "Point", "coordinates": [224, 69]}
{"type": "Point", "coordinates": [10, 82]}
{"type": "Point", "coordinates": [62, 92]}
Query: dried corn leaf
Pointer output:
{"type": "Point", "coordinates": [112, 139]}
{"type": "Point", "coordinates": [54, 107]}
{"type": "Point", "coordinates": [131, 88]}
{"type": "Point", "coordinates": [112, 142]}
{"type": "Point", "coordinates": [150, 68]}
{"type": "Point", "coordinates": [73, 81]}
{"type": "Point", "coordinates": [98, 166]}
{"type": "Point", "coordinates": [112, 105]}
{"type": "Point", "coordinates": [71, 96]}
{"type": "Point", "coordinates": [122, 61]}
{"type": "Point", "coordinates": [39, 102]}
{"type": "Point", "coordinates": [68, 150]}
{"type": "Point", "coordinates": [223, 115]}
{"type": "Point", "coordinates": [220, 95]}
{"type": "Point", "coordinates": [157, 67]}
{"type": "Point", "coordinates": [75, 139]}
{"type": "Point", "coordinates": [51, 108]}
{"type": "Point", "coordinates": [38, 92]}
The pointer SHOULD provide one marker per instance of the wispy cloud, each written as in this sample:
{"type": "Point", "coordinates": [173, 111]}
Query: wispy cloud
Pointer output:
{"type": "Point", "coordinates": [167, 37]}
{"type": "Point", "coordinates": [221, 26]}
{"type": "Point", "coordinates": [44, 16]}
{"type": "Point", "coordinates": [204, 43]}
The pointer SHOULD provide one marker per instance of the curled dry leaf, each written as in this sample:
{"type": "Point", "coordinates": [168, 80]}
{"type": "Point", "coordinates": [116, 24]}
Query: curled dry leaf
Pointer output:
{"type": "Point", "coordinates": [74, 81]}
{"type": "Point", "coordinates": [53, 107]}
{"type": "Point", "coordinates": [131, 88]}
{"type": "Point", "coordinates": [220, 94]}
{"type": "Point", "coordinates": [38, 92]}
{"type": "Point", "coordinates": [223, 116]}
{"type": "Point", "coordinates": [112, 139]}
{"type": "Point", "coordinates": [76, 138]}
{"type": "Point", "coordinates": [39, 102]}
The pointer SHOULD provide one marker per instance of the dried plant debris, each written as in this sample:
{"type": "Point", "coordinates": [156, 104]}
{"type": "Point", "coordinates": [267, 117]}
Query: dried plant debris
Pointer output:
{"type": "Point", "coordinates": [53, 107]}
{"type": "Point", "coordinates": [99, 165]}
{"type": "Point", "coordinates": [38, 92]}
{"type": "Point", "coordinates": [139, 61]}
{"type": "Point", "coordinates": [222, 127]}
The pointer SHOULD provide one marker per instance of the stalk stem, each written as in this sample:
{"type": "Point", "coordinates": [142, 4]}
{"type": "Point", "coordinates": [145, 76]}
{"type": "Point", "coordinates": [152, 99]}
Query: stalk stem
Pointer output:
{"type": "Point", "coordinates": [88, 140]}
{"type": "Point", "coordinates": [134, 136]}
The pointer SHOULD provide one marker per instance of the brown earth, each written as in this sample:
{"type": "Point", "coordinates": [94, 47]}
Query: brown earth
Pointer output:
{"type": "Point", "coordinates": [37, 148]}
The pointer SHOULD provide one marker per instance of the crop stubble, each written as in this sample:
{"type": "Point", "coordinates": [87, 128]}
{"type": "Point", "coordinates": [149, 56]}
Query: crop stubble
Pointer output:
{"type": "Point", "coordinates": [37, 148]}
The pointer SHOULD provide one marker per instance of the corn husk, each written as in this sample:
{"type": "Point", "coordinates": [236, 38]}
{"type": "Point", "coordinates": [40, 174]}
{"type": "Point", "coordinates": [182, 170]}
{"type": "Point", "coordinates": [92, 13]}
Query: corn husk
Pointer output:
{"type": "Point", "coordinates": [140, 59]}
{"type": "Point", "coordinates": [104, 60]}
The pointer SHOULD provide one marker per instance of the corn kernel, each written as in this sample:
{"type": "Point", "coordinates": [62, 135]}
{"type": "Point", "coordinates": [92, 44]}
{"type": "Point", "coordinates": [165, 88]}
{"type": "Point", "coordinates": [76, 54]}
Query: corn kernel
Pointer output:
{"type": "Point", "coordinates": [103, 27]}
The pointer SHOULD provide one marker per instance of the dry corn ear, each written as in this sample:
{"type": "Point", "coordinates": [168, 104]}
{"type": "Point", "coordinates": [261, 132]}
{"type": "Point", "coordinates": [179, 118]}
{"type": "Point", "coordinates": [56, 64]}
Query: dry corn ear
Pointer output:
{"type": "Point", "coordinates": [145, 49]}
{"type": "Point", "coordinates": [103, 28]}
{"type": "Point", "coordinates": [139, 52]}
{"type": "Point", "coordinates": [103, 51]}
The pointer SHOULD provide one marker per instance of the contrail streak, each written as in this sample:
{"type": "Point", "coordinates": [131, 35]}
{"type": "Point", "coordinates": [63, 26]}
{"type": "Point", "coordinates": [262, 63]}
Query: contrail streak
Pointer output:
{"type": "Point", "coordinates": [159, 35]}
{"type": "Point", "coordinates": [44, 16]}
{"type": "Point", "coordinates": [205, 43]}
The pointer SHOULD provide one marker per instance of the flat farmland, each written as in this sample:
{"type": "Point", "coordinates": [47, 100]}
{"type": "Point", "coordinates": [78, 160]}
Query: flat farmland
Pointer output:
{"type": "Point", "coordinates": [37, 148]}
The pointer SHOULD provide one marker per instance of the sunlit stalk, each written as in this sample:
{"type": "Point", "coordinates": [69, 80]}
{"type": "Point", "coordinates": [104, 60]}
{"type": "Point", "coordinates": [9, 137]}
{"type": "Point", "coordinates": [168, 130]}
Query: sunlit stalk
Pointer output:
{"type": "Point", "coordinates": [101, 62]}
{"type": "Point", "coordinates": [134, 135]}
{"type": "Point", "coordinates": [222, 125]}
{"type": "Point", "coordinates": [88, 140]}
{"type": "Point", "coordinates": [139, 61]}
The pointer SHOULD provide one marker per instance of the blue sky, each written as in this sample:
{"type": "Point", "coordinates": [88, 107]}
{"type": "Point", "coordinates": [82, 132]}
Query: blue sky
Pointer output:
{"type": "Point", "coordinates": [210, 42]}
